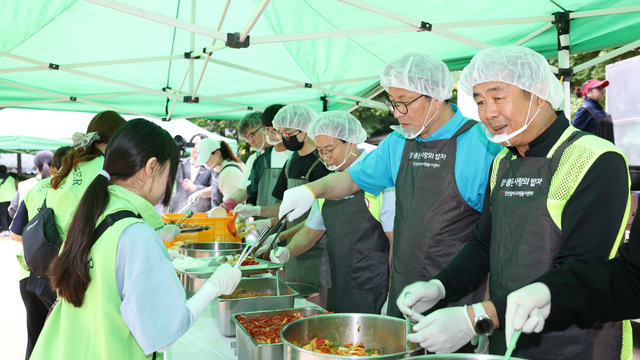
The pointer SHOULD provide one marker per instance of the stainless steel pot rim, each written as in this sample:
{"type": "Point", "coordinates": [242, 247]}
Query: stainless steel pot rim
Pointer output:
{"type": "Point", "coordinates": [341, 315]}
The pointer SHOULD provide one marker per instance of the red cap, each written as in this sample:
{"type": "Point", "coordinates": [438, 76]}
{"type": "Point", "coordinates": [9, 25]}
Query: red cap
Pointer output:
{"type": "Point", "coordinates": [594, 83]}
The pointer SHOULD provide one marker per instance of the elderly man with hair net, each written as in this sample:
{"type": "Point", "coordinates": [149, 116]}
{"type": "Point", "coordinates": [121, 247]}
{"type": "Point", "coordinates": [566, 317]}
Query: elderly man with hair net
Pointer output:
{"type": "Point", "coordinates": [292, 122]}
{"type": "Point", "coordinates": [250, 128]}
{"type": "Point", "coordinates": [556, 197]}
{"type": "Point", "coordinates": [437, 159]}
{"type": "Point", "coordinates": [359, 227]}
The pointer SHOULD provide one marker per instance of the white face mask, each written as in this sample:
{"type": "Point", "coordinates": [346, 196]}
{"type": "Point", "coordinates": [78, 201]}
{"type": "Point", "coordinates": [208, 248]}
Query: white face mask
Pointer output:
{"type": "Point", "coordinates": [272, 139]}
{"type": "Point", "coordinates": [336, 167]}
{"type": "Point", "coordinates": [504, 138]}
{"type": "Point", "coordinates": [260, 148]}
{"type": "Point", "coordinates": [411, 132]}
{"type": "Point", "coordinates": [215, 160]}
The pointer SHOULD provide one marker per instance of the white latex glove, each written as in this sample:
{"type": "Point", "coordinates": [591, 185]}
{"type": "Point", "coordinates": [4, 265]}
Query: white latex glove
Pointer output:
{"type": "Point", "coordinates": [281, 256]}
{"type": "Point", "coordinates": [245, 211]}
{"type": "Point", "coordinates": [262, 225]}
{"type": "Point", "coordinates": [194, 197]}
{"type": "Point", "coordinates": [420, 297]}
{"type": "Point", "coordinates": [222, 282]}
{"type": "Point", "coordinates": [299, 199]}
{"type": "Point", "coordinates": [266, 245]}
{"type": "Point", "coordinates": [527, 308]}
{"type": "Point", "coordinates": [168, 232]}
{"type": "Point", "coordinates": [482, 342]}
{"type": "Point", "coordinates": [444, 331]}
{"type": "Point", "coordinates": [174, 254]}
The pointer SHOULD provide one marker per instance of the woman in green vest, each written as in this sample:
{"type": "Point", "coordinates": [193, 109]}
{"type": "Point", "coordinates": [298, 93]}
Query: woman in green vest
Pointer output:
{"type": "Point", "coordinates": [119, 295]}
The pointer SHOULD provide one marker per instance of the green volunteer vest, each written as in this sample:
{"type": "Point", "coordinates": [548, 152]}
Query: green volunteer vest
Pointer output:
{"type": "Point", "coordinates": [96, 329]}
{"type": "Point", "coordinates": [32, 201]}
{"type": "Point", "coordinates": [25, 186]}
{"type": "Point", "coordinates": [7, 189]}
{"type": "Point", "coordinates": [65, 199]}
{"type": "Point", "coordinates": [527, 204]}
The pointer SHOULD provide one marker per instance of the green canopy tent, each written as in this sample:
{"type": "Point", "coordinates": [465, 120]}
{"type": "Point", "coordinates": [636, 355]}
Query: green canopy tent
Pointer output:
{"type": "Point", "coordinates": [220, 59]}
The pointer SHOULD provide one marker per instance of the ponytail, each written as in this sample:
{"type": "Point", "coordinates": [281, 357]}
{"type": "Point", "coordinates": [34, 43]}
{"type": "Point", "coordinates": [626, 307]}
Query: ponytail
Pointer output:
{"type": "Point", "coordinates": [129, 150]}
{"type": "Point", "coordinates": [227, 153]}
{"type": "Point", "coordinates": [105, 125]}
{"type": "Point", "coordinates": [69, 272]}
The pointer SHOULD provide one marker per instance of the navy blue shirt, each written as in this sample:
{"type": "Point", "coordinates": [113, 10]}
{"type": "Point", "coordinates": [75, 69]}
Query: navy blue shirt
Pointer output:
{"type": "Point", "coordinates": [583, 119]}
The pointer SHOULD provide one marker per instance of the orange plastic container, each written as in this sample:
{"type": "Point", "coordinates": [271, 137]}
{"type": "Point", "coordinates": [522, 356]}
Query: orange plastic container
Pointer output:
{"type": "Point", "coordinates": [217, 233]}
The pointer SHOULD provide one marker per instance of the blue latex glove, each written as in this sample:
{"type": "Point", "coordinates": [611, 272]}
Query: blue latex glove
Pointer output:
{"type": "Point", "coordinates": [444, 331]}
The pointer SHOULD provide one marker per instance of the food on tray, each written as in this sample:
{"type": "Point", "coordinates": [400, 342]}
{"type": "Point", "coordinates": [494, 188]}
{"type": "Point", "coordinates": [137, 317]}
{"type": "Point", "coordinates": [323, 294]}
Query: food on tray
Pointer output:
{"type": "Point", "coordinates": [266, 329]}
{"type": "Point", "coordinates": [232, 259]}
{"type": "Point", "coordinates": [321, 345]}
{"type": "Point", "coordinates": [242, 293]}
{"type": "Point", "coordinates": [193, 227]}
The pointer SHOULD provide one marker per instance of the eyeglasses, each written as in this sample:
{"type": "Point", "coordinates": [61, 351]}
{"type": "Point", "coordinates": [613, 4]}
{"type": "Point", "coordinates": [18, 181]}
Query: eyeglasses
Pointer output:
{"type": "Point", "coordinates": [326, 152]}
{"type": "Point", "coordinates": [401, 106]}
{"type": "Point", "coordinates": [252, 134]}
{"type": "Point", "coordinates": [289, 136]}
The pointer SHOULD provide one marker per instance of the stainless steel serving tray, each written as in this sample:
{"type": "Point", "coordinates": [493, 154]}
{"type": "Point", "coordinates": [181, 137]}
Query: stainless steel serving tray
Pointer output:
{"type": "Point", "coordinates": [249, 348]}
{"type": "Point", "coordinates": [267, 285]}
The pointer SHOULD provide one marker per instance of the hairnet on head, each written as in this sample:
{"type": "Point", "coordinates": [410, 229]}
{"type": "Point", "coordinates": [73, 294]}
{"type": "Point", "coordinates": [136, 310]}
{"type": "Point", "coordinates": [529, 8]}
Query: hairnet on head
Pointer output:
{"type": "Point", "coordinates": [515, 65]}
{"type": "Point", "coordinates": [419, 73]}
{"type": "Point", "coordinates": [294, 116]}
{"type": "Point", "coordinates": [338, 124]}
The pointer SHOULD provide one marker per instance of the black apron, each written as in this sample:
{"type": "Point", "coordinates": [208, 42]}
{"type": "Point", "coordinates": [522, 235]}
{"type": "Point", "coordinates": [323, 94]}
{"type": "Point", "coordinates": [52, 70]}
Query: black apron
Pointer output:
{"type": "Point", "coordinates": [524, 241]}
{"type": "Point", "coordinates": [268, 180]}
{"type": "Point", "coordinates": [358, 256]}
{"type": "Point", "coordinates": [604, 125]}
{"type": "Point", "coordinates": [312, 266]}
{"type": "Point", "coordinates": [433, 222]}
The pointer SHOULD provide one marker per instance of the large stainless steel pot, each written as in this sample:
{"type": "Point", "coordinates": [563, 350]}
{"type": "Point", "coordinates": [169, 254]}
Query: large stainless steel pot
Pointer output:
{"type": "Point", "coordinates": [193, 281]}
{"type": "Point", "coordinates": [210, 249]}
{"type": "Point", "coordinates": [462, 357]}
{"type": "Point", "coordinates": [384, 332]}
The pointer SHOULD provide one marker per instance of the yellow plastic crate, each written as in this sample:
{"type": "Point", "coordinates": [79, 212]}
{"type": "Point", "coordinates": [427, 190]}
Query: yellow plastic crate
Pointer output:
{"type": "Point", "coordinates": [218, 231]}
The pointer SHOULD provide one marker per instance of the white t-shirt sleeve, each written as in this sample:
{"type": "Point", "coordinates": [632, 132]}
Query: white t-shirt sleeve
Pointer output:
{"type": "Point", "coordinates": [315, 220]}
{"type": "Point", "coordinates": [228, 181]}
{"type": "Point", "coordinates": [153, 299]}
{"type": "Point", "coordinates": [388, 209]}
{"type": "Point", "coordinates": [244, 181]}
{"type": "Point", "coordinates": [278, 158]}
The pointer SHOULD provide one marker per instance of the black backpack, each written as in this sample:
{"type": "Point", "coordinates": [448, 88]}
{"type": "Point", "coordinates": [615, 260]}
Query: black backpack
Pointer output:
{"type": "Point", "coordinates": [41, 240]}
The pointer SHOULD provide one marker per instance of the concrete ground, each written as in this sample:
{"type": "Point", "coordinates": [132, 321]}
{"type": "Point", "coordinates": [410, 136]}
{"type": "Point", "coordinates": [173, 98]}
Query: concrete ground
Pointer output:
{"type": "Point", "coordinates": [13, 329]}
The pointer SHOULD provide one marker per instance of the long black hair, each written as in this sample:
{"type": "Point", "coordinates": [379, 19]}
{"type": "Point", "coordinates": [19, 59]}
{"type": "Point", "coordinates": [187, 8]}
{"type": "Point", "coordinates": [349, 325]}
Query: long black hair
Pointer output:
{"type": "Point", "coordinates": [128, 151]}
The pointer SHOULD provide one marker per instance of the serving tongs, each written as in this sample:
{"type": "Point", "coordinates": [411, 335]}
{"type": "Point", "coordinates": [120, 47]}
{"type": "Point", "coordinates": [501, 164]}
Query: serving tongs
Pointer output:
{"type": "Point", "coordinates": [187, 213]}
{"type": "Point", "coordinates": [250, 249]}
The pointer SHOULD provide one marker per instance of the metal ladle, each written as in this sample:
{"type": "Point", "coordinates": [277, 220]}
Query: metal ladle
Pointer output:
{"type": "Point", "coordinates": [252, 235]}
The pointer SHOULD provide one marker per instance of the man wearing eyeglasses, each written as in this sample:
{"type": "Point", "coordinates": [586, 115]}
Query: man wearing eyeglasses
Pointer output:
{"type": "Point", "coordinates": [267, 167]}
{"type": "Point", "coordinates": [359, 227]}
{"type": "Point", "coordinates": [437, 159]}
{"type": "Point", "coordinates": [250, 128]}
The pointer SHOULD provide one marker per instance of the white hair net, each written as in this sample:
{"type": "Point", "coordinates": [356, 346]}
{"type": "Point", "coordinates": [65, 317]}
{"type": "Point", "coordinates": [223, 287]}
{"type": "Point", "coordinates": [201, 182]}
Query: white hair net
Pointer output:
{"type": "Point", "coordinates": [515, 65]}
{"type": "Point", "coordinates": [419, 73]}
{"type": "Point", "coordinates": [294, 116]}
{"type": "Point", "coordinates": [338, 124]}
